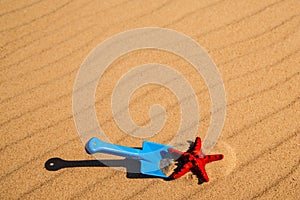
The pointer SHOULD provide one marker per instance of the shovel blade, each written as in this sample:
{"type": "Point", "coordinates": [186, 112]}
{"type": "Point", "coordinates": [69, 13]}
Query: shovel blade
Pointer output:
{"type": "Point", "coordinates": [153, 154]}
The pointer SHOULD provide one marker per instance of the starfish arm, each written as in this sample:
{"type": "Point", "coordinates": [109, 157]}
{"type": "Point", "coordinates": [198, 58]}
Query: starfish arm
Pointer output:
{"type": "Point", "coordinates": [185, 168]}
{"type": "Point", "coordinates": [200, 172]}
{"type": "Point", "coordinates": [212, 158]}
{"type": "Point", "coordinates": [197, 146]}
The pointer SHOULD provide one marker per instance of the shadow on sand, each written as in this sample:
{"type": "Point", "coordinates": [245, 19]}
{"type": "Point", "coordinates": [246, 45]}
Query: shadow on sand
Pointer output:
{"type": "Point", "coordinates": [54, 164]}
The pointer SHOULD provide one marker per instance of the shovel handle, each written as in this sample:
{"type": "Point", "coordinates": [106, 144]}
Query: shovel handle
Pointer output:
{"type": "Point", "coordinates": [94, 145]}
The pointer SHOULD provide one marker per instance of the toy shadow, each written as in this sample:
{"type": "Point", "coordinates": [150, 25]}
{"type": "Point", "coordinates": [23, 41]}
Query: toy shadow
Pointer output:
{"type": "Point", "coordinates": [54, 164]}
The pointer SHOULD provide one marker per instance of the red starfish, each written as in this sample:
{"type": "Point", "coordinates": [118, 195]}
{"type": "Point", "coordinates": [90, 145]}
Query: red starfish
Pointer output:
{"type": "Point", "coordinates": [194, 160]}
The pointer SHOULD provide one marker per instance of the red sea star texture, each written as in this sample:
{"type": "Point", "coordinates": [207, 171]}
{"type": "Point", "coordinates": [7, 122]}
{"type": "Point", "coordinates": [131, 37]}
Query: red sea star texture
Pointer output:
{"type": "Point", "coordinates": [194, 160]}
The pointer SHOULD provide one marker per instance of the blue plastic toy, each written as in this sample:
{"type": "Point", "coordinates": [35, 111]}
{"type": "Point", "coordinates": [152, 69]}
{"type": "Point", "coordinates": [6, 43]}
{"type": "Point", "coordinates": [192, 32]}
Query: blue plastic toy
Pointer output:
{"type": "Point", "coordinates": [150, 155]}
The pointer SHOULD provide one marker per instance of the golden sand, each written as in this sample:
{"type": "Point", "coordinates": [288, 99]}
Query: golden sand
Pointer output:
{"type": "Point", "coordinates": [255, 45]}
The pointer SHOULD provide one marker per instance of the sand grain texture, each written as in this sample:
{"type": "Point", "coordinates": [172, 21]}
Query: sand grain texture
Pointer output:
{"type": "Point", "coordinates": [255, 44]}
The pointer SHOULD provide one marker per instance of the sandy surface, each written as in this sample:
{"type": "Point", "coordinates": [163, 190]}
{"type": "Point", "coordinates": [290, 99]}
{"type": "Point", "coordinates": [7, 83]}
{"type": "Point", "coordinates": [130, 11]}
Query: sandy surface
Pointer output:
{"type": "Point", "coordinates": [255, 45]}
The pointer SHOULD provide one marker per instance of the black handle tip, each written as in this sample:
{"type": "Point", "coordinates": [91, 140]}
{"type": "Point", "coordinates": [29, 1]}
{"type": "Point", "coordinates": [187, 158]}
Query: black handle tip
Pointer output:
{"type": "Point", "coordinates": [54, 164]}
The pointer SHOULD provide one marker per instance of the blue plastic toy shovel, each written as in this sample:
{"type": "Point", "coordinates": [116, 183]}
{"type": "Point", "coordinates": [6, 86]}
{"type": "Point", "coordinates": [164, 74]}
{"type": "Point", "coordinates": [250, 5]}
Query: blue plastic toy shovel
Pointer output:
{"type": "Point", "coordinates": [149, 156]}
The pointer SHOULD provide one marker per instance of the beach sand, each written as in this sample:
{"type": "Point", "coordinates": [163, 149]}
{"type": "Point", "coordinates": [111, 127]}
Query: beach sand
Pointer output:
{"type": "Point", "coordinates": [255, 45]}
